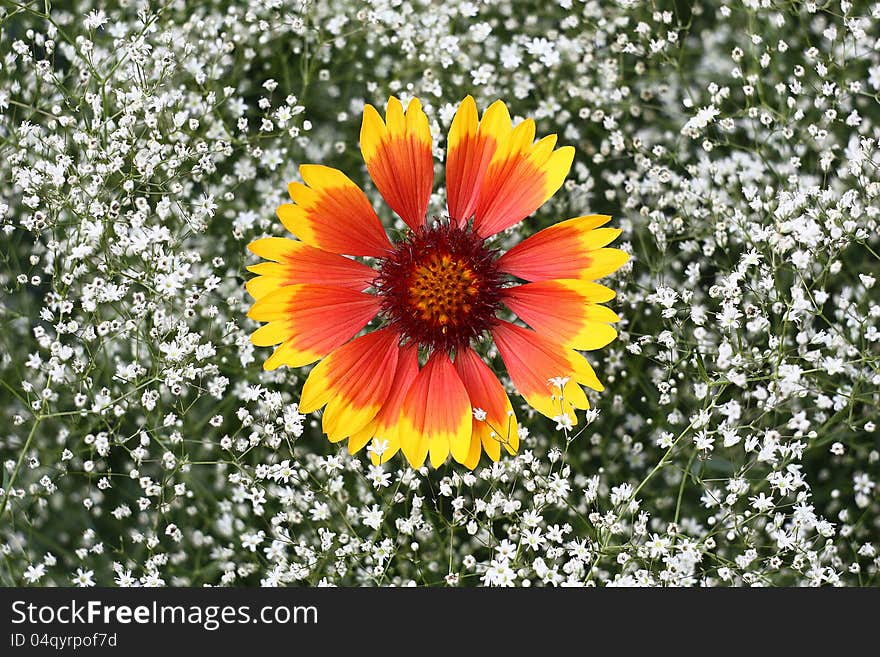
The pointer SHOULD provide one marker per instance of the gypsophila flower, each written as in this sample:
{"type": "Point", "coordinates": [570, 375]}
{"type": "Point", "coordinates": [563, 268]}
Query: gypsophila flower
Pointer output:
{"type": "Point", "coordinates": [83, 578]}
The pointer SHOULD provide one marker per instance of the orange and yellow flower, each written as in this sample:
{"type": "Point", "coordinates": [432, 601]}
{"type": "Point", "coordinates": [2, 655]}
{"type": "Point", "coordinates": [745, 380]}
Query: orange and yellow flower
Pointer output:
{"type": "Point", "coordinates": [415, 381]}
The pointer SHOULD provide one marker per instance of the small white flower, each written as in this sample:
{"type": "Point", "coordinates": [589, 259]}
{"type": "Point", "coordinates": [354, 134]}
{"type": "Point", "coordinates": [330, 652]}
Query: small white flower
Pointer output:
{"type": "Point", "coordinates": [563, 422]}
{"type": "Point", "coordinates": [83, 578]}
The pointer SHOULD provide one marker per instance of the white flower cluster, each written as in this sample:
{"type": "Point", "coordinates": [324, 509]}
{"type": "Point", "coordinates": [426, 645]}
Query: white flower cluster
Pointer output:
{"type": "Point", "coordinates": [141, 149]}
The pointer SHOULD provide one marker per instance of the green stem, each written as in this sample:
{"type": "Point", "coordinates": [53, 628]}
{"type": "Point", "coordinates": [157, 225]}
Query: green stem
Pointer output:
{"type": "Point", "coordinates": [24, 450]}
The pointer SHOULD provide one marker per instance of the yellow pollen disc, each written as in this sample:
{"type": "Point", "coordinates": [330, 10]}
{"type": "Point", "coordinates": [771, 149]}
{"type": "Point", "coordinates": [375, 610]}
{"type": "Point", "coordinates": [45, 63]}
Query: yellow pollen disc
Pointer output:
{"type": "Point", "coordinates": [442, 290]}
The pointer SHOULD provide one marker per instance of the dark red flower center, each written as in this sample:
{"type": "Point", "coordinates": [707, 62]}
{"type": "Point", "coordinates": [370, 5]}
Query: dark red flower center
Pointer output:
{"type": "Point", "coordinates": [440, 287]}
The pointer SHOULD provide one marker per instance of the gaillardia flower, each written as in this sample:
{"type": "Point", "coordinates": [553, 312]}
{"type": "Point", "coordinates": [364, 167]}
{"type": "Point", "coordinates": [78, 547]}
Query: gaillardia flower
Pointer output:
{"type": "Point", "coordinates": [414, 381]}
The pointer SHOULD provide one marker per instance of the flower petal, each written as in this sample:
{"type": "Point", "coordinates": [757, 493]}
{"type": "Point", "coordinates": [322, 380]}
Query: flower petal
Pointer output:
{"type": "Point", "coordinates": [398, 156]}
{"type": "Point", "coordinates": [521, 177]}
{"type": "Point", "coordinates": [353, 382]}
{"type": "Point", "coordinates": [297, 317]}
{"type": "Point", "coordinates": [486, 393]}
{"type": "Point", "coordinates": [533, 361]}
{"type": "Point", "coordinates": [436, 415]}
{"type": "Point", "coordinates": [569, 249]}
{"type": "Point", "coordinates": [566, 311]}
{"type": "Point", "coordinates": [295, 262]}
{"type": "Point", "coordinates": [471, 145]}
{"type": "Point", "coordinates": [473, 457]}
{"type": "Point", "coordinates": [386, 425]}
{"type": "Point", "coordinates": [331, 213]}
